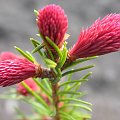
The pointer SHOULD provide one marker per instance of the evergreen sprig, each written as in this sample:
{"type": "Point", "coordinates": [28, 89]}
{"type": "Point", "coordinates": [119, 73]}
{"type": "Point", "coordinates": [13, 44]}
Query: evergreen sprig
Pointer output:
{"type": "Point", "coordinates": [68, 92]}
{"type": "Point", "coordinates": [51, 90]}
{"type": "Point", "coordinates": [56, 99]}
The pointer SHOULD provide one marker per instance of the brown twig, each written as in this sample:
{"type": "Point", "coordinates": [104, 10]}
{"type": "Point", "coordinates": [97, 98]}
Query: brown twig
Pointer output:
{"type": "Point", "coordinates": [44, 72]}
{"type": "Point", "coordinates": [55, 88]}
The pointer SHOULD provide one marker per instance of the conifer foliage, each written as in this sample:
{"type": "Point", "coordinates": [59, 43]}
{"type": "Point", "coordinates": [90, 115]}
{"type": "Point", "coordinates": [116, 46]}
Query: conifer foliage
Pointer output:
{"type": "Point", "coordinates": [51, 90]}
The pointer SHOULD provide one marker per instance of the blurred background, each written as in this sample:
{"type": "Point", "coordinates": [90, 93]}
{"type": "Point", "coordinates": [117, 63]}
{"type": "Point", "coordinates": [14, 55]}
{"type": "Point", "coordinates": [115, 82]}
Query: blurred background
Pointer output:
{"type": "Point", "coordinates": [17, 25]}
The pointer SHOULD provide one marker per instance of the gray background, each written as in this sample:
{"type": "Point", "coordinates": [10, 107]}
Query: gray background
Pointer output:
{"type": "Point", "coordinates": [17, 25]}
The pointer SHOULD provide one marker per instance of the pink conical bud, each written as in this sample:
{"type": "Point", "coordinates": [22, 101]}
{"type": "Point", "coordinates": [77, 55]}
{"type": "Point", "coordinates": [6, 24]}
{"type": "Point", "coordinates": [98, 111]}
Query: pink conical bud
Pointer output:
{"type": "Point", "coordinates": [101, 38]}
{"type": "Point", "coordinates": [30, 82]}
{"type": "Point", "coordinates": [53, 23]}
{"type": "Point", "coordinates": [15, 71]}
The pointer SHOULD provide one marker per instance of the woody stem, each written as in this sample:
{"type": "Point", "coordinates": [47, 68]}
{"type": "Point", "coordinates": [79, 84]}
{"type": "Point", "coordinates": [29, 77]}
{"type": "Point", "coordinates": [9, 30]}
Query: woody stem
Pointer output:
{"type": "Point", "coordinates": [55, 88]}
